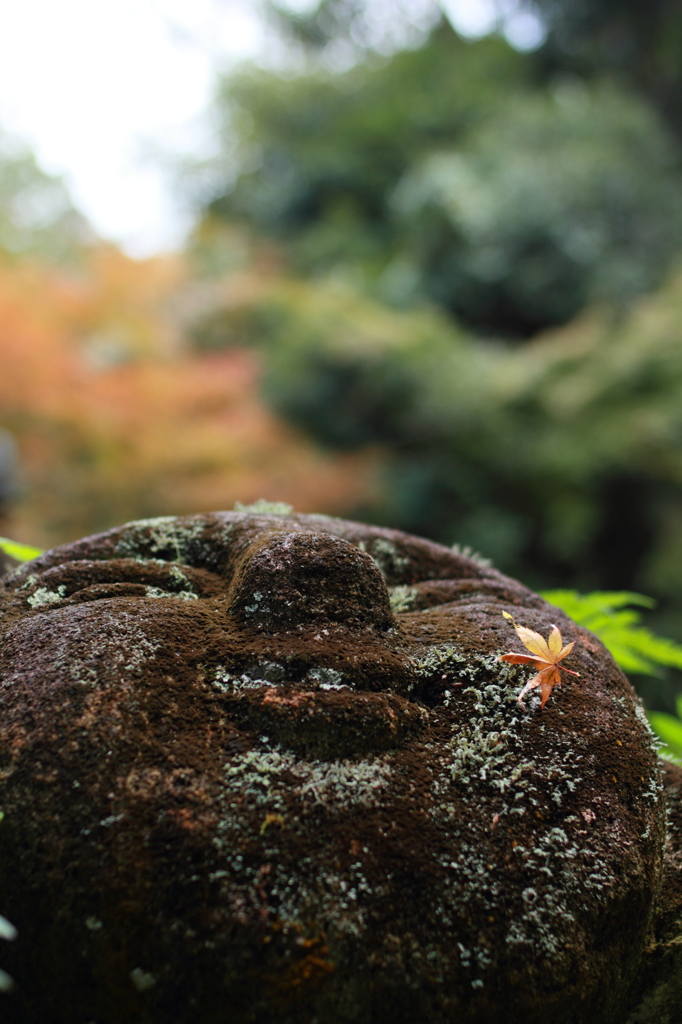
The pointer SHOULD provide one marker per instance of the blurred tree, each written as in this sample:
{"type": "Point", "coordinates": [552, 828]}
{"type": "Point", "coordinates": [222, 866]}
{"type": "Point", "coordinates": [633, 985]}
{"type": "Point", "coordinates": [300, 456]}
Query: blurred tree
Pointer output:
{"type": "Point", "coordinates": [345, 26]}
{"type": "Point", "coordinates": [446, 174]}
{"type": "Point", "coordinates": [559, 198]}
{"type": "Point", "coordinates": [640, 41]}
{"type": "Point", "coordinates": [321, 142]}
{"type": "Point", "coordinates": [37, 216]}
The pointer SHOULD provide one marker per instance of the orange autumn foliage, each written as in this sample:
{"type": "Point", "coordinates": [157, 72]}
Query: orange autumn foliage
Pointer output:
{"type": "Point", "coordinates": [116, 419]}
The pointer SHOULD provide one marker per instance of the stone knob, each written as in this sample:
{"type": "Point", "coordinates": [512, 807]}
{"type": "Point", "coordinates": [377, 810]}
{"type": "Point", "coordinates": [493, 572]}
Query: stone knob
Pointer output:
{"type": "Point", "coordinates": [291, 580]}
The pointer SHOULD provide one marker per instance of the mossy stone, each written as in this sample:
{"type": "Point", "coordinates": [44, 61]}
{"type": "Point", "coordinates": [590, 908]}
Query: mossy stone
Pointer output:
{"type": "Point", "coordinates": [266, 768]}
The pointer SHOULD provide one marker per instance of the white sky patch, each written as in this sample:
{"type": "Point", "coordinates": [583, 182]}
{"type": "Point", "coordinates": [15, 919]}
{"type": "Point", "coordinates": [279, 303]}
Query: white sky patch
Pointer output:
{"type": "Point", "coordinates": [472, 18]}
{"type": "Point", "coordinates": [93, 85]}
{"type": "Point", "coordinates": [476, 18]}
{"type": "Point", "coordinates": [96, 86]}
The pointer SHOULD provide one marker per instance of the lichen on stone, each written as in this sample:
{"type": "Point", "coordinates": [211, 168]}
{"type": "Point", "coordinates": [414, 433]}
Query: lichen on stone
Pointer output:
{"type": "Point", "coordinates": [351, 783]}
{"type": "Point", "coordinates": [163, 535]}
{"type": "Point", "coordinates": [468, 552]}
{"type": "Point", "coordinates": [262, 507]}
{"type": "Point", "coordinates": [387, 557]}
{"type": "Point", "coordinates": [402, 599]}
{"type": "Point", "coordinates": [183, 595]}
{"type": "Point", "coordinates": [327, 678]}
{"type": "Point", "coordinates": [43, 596]}
{"type": "Point", "coordinates": [259, 775]}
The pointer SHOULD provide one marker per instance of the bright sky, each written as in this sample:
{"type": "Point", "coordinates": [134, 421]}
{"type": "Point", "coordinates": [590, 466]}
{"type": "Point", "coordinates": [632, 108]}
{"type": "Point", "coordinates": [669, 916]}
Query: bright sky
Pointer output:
{"type": "Point", "coordinates": [94, 85]}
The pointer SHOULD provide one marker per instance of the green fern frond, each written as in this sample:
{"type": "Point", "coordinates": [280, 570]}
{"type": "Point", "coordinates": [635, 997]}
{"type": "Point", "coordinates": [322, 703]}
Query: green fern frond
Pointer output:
{"type": "Point", "coordinates": [20, 552]}
{"type": "Point", "coordinates": [668, 728]}
{"type": "Point", "coordinates": [635, 648]}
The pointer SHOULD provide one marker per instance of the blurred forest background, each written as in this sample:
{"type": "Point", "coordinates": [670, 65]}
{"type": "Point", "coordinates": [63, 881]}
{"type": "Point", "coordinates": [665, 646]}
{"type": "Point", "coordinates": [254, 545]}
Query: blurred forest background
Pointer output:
{"type": "Point", "coordinates": [434, 283]}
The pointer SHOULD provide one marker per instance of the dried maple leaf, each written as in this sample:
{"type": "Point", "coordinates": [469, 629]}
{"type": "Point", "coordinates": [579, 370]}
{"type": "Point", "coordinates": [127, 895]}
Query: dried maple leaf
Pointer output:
{"type": "Point", "coordinates": [545, 655]}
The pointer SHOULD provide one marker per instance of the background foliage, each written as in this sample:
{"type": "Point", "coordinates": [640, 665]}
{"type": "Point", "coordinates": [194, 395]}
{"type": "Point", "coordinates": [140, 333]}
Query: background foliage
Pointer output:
{"type": "Point", "coordinates": [450, 173]}
{"type": "Point", "coordinates": [36, 214]}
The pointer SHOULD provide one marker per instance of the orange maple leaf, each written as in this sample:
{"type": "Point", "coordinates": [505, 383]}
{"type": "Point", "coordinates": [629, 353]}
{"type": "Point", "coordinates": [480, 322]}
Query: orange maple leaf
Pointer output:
{"type": "Point", "coordinates": [545, 656]}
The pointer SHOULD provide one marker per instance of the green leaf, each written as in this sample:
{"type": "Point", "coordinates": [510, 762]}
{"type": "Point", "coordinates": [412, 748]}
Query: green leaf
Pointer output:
{"type": "Point", "coordinates": [669, 730]}
{"type": "Point", "coordinates": [632, 646]}
{"type": "Point", "coordinates": [21, 552]}
{"type": "Point", "coordinates": [604, 612]}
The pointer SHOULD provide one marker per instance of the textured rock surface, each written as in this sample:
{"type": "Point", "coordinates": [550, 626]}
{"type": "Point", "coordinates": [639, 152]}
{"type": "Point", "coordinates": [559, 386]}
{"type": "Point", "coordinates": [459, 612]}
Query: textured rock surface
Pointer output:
{"type": "Point", "coordinates": [6, 563]}
{"type": "Point", "coordinates": [267, 769]}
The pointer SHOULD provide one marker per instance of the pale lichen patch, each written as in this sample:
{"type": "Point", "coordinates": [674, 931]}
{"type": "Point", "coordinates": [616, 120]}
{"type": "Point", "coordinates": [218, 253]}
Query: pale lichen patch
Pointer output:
{"type": "Point", "coordinates": [259, 774]}
{"type": "Point", "coordinates": [449, 658]}
{"type": "Point", "coordinates": [385, 553]}
{"type": "Point", "coordinates": [227, 681]}
{"type": "Point", "coordinates": [468, 552]}
{"type": "Point", "coordinates": [184, 595]}
{"type": "Point", "coordinates": [43, 596]}
{"type": "Point", "coordinates": [123, 647]}
{"type": "Point", "coordinates": [355, 783]}
{"type": "Point", "coordinates": [489, 757]}
{"type": "Point", "coordinates": [327, 678]}
{"type": "Point", "coordinates": [262, 507]}
{"type": "Point", "coordinates": [402, 599]}
{"type": "Point", "coordinates": [159, 536]}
